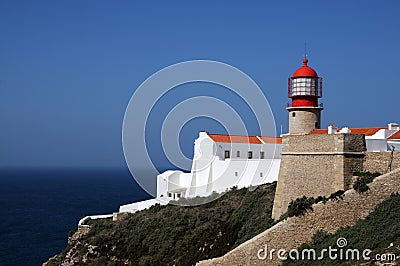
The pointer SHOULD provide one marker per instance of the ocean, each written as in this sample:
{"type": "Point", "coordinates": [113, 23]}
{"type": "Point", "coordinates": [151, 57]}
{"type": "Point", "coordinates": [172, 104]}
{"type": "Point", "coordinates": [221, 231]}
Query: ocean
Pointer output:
{"type": "Point", "coordinates": [39, 207]}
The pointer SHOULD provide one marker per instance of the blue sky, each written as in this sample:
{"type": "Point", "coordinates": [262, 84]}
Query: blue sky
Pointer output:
{"type": "Point", "coordinates": [69, 68]}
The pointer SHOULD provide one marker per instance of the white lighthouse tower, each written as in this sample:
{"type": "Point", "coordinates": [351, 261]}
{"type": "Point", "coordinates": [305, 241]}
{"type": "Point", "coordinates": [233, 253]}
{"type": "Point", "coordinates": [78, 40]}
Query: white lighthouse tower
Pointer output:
{"type": "Point", "coordinates": [304, 88]}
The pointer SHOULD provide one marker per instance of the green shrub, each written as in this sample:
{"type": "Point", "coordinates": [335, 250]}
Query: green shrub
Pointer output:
{"type": "Point", "coordinates": [370, 176]}
{"type": "Point", "coordinates": [300, 206]}
{"type": "Point", "coordinates": [337, 195]}
{"type": "Point", "coordinates": [361, 185]}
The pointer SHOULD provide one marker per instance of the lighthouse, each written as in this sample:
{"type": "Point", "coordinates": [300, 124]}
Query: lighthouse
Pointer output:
{"type": "Point", "coordinates": [304, 88]}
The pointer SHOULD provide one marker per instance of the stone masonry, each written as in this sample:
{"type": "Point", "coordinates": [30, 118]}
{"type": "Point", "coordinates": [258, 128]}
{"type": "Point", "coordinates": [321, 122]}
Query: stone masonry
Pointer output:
{"type": "Point", "coordinates": [379, 161]}
{"type": "Point", "coordinates": [304, 119]}
{"type": "Point", "coordinates": [316, 165]}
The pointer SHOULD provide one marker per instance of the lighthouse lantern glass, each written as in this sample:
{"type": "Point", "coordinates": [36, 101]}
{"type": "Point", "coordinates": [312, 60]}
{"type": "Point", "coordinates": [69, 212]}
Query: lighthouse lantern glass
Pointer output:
{"type": "Point", "coordinates": [304, 87]}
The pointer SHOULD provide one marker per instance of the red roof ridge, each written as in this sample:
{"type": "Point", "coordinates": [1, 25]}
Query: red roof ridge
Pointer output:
{"type": "Point", "coordinates": [232, 135]}
{"type": "Point", "coordinates": [367, 131]}
{"type": "Point", "coordinates": [244, 139]}
{"type": "Point", "coordinates": [267, 139]}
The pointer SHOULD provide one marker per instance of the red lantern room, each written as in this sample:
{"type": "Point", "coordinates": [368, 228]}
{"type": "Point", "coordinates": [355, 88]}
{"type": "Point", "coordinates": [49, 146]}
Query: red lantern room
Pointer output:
{"type": "Point", "coordinates": [305, 87]}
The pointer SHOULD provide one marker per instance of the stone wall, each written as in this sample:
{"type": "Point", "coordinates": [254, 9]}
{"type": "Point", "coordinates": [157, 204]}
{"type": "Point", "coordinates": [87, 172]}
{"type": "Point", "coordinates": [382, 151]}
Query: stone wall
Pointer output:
{"type": "Point", "coordinates": [294, 231]}
{"type": "Point", "coordinates": [118, 216]}
{"type": "Point", "coordinates": [316, 165]}
{"type": "Point", "coordinates": [379, 161]}
{"type": "Point", "coordinates": [304, 119]}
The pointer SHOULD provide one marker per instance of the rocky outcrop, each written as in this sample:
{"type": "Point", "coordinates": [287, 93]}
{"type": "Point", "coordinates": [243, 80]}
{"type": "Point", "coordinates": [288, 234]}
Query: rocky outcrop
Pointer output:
{"type": "Point", "coordinates": [172, 235]}
{"type": "Point", "coordinates": [79, 251]}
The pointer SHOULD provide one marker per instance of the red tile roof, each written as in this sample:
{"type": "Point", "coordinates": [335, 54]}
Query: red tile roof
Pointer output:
{"type": "Point", "coordinates": [318, 131]}
{"type": "Point", "coordinates": [276, 140]}
{"type": "Point", "coordinates": [395, 135]}
{"type": "Point", "coordinates": [368, 131]}
{"type": "Point", "coordinates": [234, 138]}
{"type": "Point", "coordinates": [244, 139]}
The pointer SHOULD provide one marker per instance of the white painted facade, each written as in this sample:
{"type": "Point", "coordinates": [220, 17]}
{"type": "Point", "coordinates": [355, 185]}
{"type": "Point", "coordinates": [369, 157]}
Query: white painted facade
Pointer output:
{"type": "Point", "coordinates": [381, 140]}
{"type": "Point", "coordinates": [216, 167]}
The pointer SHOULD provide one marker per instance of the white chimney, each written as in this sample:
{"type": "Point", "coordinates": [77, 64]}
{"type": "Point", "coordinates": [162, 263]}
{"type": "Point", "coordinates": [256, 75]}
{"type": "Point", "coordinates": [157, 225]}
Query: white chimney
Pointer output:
{"type": "Point", "coordinates": [345, 130]}
{"type": "Point", "coordinates": [393, 126]}
{"type": "Point", "coordinates": [332, 129]}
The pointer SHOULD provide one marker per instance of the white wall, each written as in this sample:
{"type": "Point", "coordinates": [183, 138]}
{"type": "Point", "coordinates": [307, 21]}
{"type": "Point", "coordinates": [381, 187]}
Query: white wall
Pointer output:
{"type": "Point", "coordinates": [243, 173]}
{"type": "Point", "coordinates": [382, 134]}
{"type": "Point", "coordinates": [271, 151]}
{"type": "Point", "coordinates": [141, 205]}
{"type": "Point", "coordinates": [379, 142]}
{"type": "Point", "coordinates": [211, 171]}
{"type": "Point", "coordinates": [376, 145]}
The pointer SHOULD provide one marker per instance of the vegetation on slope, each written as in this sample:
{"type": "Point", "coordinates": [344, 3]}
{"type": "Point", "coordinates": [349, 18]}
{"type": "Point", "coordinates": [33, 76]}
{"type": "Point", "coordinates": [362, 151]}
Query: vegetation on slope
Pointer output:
{"type": "Point", "coordinates": [174, 235]}
{"type": "Point", "coordinates": [364, 178]}
{"type": "Point", "coordinates": [379, 232]}
{"type": "Point", "coordinates": [300, 206]}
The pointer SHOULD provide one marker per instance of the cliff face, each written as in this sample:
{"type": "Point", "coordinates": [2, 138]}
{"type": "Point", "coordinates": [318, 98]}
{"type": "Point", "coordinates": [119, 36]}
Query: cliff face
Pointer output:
{"type": "Point", "coordinates": [78, 251]}
{"type": "Point", "coordinates": [172, 235]}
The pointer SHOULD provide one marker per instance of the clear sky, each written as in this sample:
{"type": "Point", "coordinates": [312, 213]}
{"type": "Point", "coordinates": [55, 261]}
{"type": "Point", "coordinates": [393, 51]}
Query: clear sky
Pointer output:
{"type": "Point", "coordinates": [69, 68]}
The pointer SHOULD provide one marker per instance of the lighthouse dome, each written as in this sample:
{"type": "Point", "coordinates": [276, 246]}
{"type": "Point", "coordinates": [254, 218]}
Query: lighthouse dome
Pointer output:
{"type": "Point", "coordinates": [305, 71]}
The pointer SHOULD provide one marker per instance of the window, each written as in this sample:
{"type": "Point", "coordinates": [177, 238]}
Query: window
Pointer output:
{"type": "Point", "coordinates": [178, 195]}
{"type": "Point", "coordinates": [250, 155]}
{"type": "Point", "coordinates": [316, 125]}
{"type": "Point", "coordinates": [227, 155]}
{"type": "Point", "coordinates": [294, 114]}
{"type": "Point", "coordinates": [262, 155]}
{"type": "Point", "coordinates": [169, 195]}
{"type": "Point", "coordinates": [261, 174]}
{"type": "Point", "coordinates": [236, 173]}
{"type": "Point", "coordinates": [237, 153]}
{"type": "Point", "coordinates": [304, 86]}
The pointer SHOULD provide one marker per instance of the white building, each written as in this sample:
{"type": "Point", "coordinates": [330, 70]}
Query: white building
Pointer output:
{"type": "Point", "coordinates": [220, 162]}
